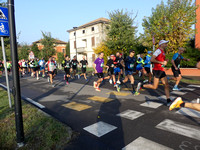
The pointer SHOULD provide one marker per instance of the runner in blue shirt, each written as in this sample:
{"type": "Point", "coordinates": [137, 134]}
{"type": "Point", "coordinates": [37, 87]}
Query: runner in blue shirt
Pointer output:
{"type": "Point", "coordinates": [176, 60]}
{"type": "Point", "coordinates": [147, 65]}
{"type": "Point", "coordinates": [42, 68]}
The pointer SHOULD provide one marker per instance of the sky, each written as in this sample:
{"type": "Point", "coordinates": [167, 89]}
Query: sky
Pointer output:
{"type": "Point", "coordinates": [34, 16]}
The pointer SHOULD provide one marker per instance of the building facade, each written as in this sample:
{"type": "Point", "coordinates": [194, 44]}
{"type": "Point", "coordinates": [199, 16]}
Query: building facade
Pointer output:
{"type": "Point", "coordinates": [86, 37]}
{"type": "Point", "coordinates": [59, 46]}
{"type": "Point", "coordinates": [197, 36]}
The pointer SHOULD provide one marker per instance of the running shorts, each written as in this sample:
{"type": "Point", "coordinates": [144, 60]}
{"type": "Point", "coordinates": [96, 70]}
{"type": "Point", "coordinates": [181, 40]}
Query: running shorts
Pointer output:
{"type": "Point", "coordinates": [176, 72]}
{"type": "Point", "coordinates": [50, 72]}
{"type": "Point", "coordinates": [42, 68]}
{"type": "Point", "coordinates": [147, 69]}
{"type": "Point", "coordinates": [67, 71]}
{"type": "Point", "coordinates": [110, 72]}
{"type": "Point", "coordinates": [138, 68]}
{"type": "Point", "coordinates": [100, 75]}
{"type": "Point", "coordinates": [128, 72]}
{"type": "Point", "coordinates": [159, 74]}
{"type": "Point", "coordinates": [83, 70]}
{"type": "Point", "coordinates": [117, 70]}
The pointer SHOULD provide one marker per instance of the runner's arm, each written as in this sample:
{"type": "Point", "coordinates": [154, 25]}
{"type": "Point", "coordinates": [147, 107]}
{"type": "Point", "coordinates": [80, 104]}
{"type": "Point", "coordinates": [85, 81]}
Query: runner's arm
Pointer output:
{"type": "Point", "coordinates": [173, 63]}
{"type": "Point", "coordinates": [153, 60]}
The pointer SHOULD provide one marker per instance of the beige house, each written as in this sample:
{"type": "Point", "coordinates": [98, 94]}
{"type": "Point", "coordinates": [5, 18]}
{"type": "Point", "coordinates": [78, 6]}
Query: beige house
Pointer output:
{"type": "Point", "coordinates": [86, 37]}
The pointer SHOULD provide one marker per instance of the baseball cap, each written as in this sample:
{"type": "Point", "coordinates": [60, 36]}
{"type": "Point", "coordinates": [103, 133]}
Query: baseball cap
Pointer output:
{"type": "Point", "coordinates": [112, 55]}
{"type": "Point", "coordinates": [162, 42]}
{"type": "Point", "coordinates": [149, 52]}
{"type": "Point", "coordinates": [131, 50]}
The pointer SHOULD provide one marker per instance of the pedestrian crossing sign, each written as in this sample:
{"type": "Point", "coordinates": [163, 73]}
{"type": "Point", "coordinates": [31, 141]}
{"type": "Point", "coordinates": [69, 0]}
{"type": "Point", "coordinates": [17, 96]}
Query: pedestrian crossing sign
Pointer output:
{"type": "Point", "coordinates": [4, 26]}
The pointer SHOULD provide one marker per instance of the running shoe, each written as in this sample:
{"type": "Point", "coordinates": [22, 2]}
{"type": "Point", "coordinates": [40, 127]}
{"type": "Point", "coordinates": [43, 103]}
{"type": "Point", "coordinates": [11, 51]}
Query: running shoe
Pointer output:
{"type": "Point", "coordinates": [52, 85]}
{"type": "Point", "coordinates": [95, 84]}
{"type": "Point", "coordinates": [98, 89]}
{"type": "Point", "coordinates": [145, 81]}
{"type": "Point", "coordinates": [176, 103]}
{"type": "Point", "coordinates": [38, 78]}
{"type": "Point", "coordinates": [43, 76]}
{"type": "Point", "coordinates": [48, 79]}
{"type": "Point", "coordinates": [86, 79]}
{"type": "Point", "coordinates": [176, 89]}
{"type": "Point", "coordinates": [139, 86]}
{"type": "Point", "coordinates": [79, 76]}
{"type": "Point", "coordinates": [115, 85]}
{"type": "Point", "coordinates": [118, 82]}
{"type": "Point", "coordinates": [118, 88]}
{"type": "Point", "coordinates": [67, 83]}
{"type": "Point", "coordinates": [136, 93]}
{"type": "Point", "coordinates": [110, 81]}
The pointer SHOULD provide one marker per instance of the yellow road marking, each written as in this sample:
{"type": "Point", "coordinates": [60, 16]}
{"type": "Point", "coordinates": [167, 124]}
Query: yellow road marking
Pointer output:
{"type": "Point", "coordinates": [100, 99]}
{"type": "Point", "coordinates": [126, 89]}
{"type": "Point", "coordinates": [76, 106]}
{"type": "Point", "coordinates": [118, 93]}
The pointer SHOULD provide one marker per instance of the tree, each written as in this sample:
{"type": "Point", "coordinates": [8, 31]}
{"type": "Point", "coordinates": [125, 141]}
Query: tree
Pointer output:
{"type": "Point", "coordinates": [7, 49]}
{"type": "Point", "coordinates": [172, 22]}
{"type": "Point", "coordinates": [35, 50]}
{"type": "Point", "coordinates": [120, 31]}
{"type": "Point", "coordinates": [23, 51]}
{"type": "Point", "coordinates": [60, 57]}
{"type": "Point", "coordinates": [49, 43]}
{"type": "Point", "coordinates": [67, 49]}
{"type": "Point", "coordinates": [103, 48]}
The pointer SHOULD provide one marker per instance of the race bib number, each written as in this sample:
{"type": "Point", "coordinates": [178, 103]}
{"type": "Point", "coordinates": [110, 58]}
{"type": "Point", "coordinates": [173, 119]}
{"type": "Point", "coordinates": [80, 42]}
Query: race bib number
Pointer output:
{"type": "Point", "coordinates": [131, 65]}
{"type": "Point", "coordinates": [84, 66]}
{"type": "Point", "coordinates": [74, 64]}
{"type": "Point", "coordinates": [67, 65]}
{"type": "Point", "coordinates": [102, 65]}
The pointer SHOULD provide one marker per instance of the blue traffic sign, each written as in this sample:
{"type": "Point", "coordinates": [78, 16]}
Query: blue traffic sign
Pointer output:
{"type": "Point", "coordinates": [4, 25]}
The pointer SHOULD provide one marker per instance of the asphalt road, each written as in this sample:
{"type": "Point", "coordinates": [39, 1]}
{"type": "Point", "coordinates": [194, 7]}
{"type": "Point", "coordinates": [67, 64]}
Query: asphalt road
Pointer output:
{"type": "Point", "coordinates": [109, 120]}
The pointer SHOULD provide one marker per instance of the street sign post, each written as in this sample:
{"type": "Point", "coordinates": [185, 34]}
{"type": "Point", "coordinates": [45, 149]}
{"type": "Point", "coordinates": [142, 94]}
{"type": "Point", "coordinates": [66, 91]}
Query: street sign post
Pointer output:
{"type": "Point", "coordinates": [16, 82]}
{"type": "Point", "coordinates": [4, 31]}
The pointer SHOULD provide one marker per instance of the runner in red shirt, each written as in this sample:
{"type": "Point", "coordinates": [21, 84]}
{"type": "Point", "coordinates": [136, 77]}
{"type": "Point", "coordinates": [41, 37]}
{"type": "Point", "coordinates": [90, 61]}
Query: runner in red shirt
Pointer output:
{"type": "Point", "coordinates": [159, 61]}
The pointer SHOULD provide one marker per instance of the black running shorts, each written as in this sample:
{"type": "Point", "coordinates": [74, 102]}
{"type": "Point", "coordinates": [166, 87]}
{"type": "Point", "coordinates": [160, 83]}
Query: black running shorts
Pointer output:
{"type": "Point", "coordinates": [159, 74]}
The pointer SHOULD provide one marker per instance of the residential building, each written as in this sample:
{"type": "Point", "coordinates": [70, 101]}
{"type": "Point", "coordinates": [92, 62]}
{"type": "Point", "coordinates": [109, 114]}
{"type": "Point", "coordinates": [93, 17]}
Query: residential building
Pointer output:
{"type": "Point", "coordinates": [86, 37]}
{"type": "Point", "coordinates": [197, 36]}
{"type": "Point", "coordinates": [59, 46]}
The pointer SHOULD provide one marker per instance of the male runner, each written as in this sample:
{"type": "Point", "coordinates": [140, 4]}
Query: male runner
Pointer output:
{"type": "Point", "coordinates": [129, 65]}
{"type": "Point", "coordinates": [117, 69]}
{"type": "Point", "coordinates": [74, 66]}
{"type": "Point", "coordinates": [24, 67]}
{"type": "Point", "coordinates": [110, 66]}
{"type": "Point", "coordinates": [67, 68]}
{"type": "Point", "coordinates": [9, 65]}
{"type": "Point", "coordinates": [147, 65]}
{"type": "Point", "coordinates": [42, 68]}
{"type": "Point", "coordinates": [159, 61]}
{"type": "Point", "coordinates": [98, 67]}
{"type": "Point", "coordinates": [139, 66]}
{"type": "Point", "coordinates": [176, 60]}
{"type": "Point", "coordinates": [1, 68]}
{"type": "Point", "coordinates": [51, 67]}
{"type": "Point", "coordinates": [84, 64]}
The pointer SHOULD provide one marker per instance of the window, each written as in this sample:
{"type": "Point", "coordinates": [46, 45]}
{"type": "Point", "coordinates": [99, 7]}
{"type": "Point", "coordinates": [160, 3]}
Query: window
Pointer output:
{"type": "Point", "coordinates": [83, 31]}
{"type": "Point", "coordinates": [63, 50]}
{"type": "Point", "coordinates": [74, 44]}
{"type": "Point", "coordinates": [93, 41]}
{"type": "Point", "coordinates": [93, 57]}
{"type": "Point", "coordinates": [92, 28]}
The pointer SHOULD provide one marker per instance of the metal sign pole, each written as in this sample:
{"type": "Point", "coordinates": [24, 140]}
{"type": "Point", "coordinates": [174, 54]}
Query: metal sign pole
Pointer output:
{"type": "Point", "coordinates": [6, 72]}
{"type": "Point", "coordinates": [16, 82]}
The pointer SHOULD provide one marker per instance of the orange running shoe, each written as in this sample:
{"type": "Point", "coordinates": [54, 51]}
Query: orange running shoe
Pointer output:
{"type": "Point", "coordinates": [176, 103]}
{"type": "Point", "coordinates": [98, 89]}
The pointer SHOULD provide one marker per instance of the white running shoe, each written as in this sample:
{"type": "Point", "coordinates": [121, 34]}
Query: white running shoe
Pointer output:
{"type": "Point", "coordinates": [118, 82]}
{"type": "Point", "coordinates": [110, 81]}
{"type": "Point", "coordinates": [38, 78]}
{"type": "Point", "coordinates": [48, 79]}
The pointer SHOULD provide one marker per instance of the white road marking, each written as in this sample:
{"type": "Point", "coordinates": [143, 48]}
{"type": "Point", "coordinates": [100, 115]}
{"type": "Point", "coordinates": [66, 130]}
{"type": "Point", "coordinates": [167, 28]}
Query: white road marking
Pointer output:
{"type": "Point", "coordinates": [100, 128]}
{"type": "Point", "coordinates": [151, 104]}
{"type": "Point", "coordinates": [189, 112]}
{"type": "Point", "coordinates": [197, 86]}
{"type": "Point", "coordinates": [145, 144]}
{"type": "Point", "coordinates": [178, 93]}
{"type": "Point", "coordinates": [187, 89]}
{"type": "Point", "coordinates": [33, 102]}
{"type": "Point", "coordinates": [130, 114]}
{"type": "Point", "coordinates": [187, 130]}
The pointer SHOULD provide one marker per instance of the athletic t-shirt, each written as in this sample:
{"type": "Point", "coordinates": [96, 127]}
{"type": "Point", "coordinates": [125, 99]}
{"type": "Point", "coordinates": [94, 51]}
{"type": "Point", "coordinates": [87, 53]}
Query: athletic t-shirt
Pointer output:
{"type": "Point", "coordinates": [147, 61]}
{"type": "Point", "coordinates": [177, 59]}
{"type": "Point", "coordinates": [24, 64]}
{"type": "Point", "coordinates": [41, 63]}
{"type": "Point", "coordinates": [8, 65]}
{"type": "Point", "coordinates": [140, 62]}
{"type": "Point", "coordinates": [51, 66]}
{"type": "Point", "coordinates": [117, 62]}
{"type": "Point", "coordinates": [130, 63]}
{"type": "Point", "coordinates": [110, 64]}
{"type": "Point", "coordinates": [74, 63]}
{"type": "Point", "coordinates": [67, 64]}
{"type": "Point", "coordinates": [99, 65]}
{"type": "Point", "coordinates": [84, 63]}
{"type": "Point", "coordinates": [160, 56]}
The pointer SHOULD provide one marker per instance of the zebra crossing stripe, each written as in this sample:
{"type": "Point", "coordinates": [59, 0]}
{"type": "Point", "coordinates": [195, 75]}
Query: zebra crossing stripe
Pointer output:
{"type": "Point", "coordinates": [196, 86]}
{"type": "Point", "coordinates": [100, 128]}
{"type": "Point", "coordinates": [187, 130]}
{"type": "Point", "coordinates": [188, 112]}
{"type": "Point", "coordinates": [178, 93]}
{"type": "Point", "coordinates": [187, 89]}
{"type": "Point", "coordinates": [151, 104]}
{"type": "Point", "coordinates": [145, 144]}
{"type": "Point", "coordinates": [130, 114]}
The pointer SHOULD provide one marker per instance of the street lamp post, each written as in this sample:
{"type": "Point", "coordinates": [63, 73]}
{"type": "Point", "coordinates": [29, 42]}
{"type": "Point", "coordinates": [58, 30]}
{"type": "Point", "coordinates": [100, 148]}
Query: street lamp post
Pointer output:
{"type": "Point", "coordinates": [75, 40]}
